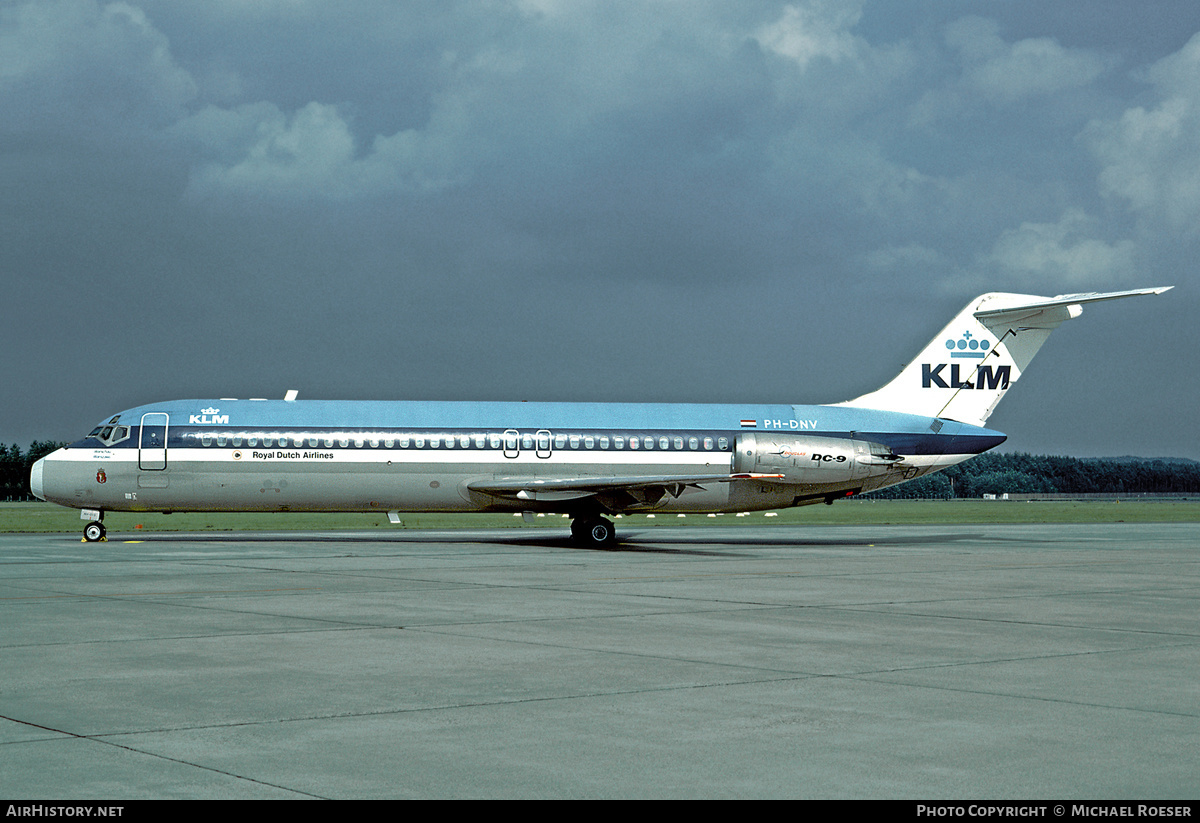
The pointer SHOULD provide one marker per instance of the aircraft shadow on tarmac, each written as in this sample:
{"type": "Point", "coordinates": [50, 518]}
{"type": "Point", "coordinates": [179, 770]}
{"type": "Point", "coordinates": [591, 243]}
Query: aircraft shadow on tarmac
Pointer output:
{"type": "Point", "coordinates": [647, 540]}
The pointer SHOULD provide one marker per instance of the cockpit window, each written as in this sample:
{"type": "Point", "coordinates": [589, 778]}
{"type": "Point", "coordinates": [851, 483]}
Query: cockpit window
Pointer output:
{"type": "Point", "coordinates": [109, 433]}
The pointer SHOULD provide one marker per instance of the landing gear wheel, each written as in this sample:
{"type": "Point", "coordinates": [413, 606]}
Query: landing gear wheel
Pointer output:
{"type": "Point", "coordinates": [597, 534]}
{"type": "Point", "coordinates": [94, 532]}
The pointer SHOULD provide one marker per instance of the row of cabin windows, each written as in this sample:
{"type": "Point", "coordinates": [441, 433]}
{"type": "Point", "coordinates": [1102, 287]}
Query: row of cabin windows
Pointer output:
{"type": "Point", "coordinates": [509, 441]}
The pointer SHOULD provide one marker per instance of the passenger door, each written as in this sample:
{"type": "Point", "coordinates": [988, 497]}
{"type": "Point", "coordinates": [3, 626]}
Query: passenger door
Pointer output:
{"type": "Point", "coordinates": [152, 443]}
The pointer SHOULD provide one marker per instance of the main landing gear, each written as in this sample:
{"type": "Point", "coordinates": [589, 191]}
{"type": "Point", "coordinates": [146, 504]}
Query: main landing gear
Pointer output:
{"type": "Point", "coordinates": [593, 532]}
{"type": "Point", "coordinates": [94, 532]}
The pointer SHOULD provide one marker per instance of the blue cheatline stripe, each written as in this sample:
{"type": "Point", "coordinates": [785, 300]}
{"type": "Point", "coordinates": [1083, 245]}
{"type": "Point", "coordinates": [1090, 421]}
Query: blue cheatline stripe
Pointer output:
{"type": "Point", "coordinates": [677, 441]}
{"type": "Point", "coordinates": [905, 434]}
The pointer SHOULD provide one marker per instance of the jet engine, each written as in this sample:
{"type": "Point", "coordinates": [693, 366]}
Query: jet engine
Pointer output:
{"type": "Point", "coordinates": [816, 461]}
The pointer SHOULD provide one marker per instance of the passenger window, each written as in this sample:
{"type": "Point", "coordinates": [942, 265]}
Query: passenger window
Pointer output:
{"type": "Point", "coordinates": [206, 439]}
{"type": "Point", "coordinates": [708, 443]}
{"type": "Point", "coordinates": [222, 439]}
{"type": "Point", "coordinates": [679, 443]}
{"type": "Point", "coordinates": [574, 441]}
{"type": "Point", "coordinates": [603, 441]}
{"type": "Point", "coordinates": [634, 443]}
{"type": "Point", "coordinates": [560, 441]}
{"type": "Point", "coordinates": [465, 441]}
{"type": "Point", "coordinates": [648, 442]}
{"type": "Point", "coordinates": [435, 442]}
{"type": "Point", "coordinates": [237, 440]}
{"type": "Point", "coordinates": [480, 441]}
{"type": "Point", "coordinates": [526, 441]}
{"type": "Point", "coordinates": [589, 442]}
{"type": "Point", "coordinates": [723, 443]}
{"type": "Point", "coordinates": [389, 443]}
{"type": "Point", "coordinates": [494, 441]}
{"type": "Point", "coordinates": [693, 443]}
{"type": "Point", "coordinates": [618, 442]}
{"type": "Point", "coordinates": [418, 442]}
{"type": "Point", "coordinates": [664, 442]}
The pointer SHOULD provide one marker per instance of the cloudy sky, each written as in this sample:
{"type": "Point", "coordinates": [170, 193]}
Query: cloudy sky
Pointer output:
{"type": "Point", "coordinates": [675, 200]}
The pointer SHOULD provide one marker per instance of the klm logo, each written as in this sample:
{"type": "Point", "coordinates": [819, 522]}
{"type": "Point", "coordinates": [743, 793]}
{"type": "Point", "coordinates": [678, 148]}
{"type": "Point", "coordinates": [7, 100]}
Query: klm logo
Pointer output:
{"type": "Point", "coordinates": [209, 417]}
{"type": "Point", "coordinates": [985, 377]}
{"type": "Point", "coordinates": [968, 346]}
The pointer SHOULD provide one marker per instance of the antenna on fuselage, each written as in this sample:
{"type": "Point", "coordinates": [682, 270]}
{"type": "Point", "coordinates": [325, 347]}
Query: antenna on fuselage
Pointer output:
{"type": "Point", "coordinates": [290, 395]}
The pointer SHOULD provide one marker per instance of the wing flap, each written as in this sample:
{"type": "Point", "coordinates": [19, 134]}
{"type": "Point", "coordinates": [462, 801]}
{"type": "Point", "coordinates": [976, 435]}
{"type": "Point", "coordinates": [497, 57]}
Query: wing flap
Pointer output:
{"type": "Point", "coordinates": [569, 488]}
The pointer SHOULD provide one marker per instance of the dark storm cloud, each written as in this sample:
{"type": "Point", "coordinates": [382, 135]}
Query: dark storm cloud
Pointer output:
{"type": "Point", "coordinates": [590, 200]}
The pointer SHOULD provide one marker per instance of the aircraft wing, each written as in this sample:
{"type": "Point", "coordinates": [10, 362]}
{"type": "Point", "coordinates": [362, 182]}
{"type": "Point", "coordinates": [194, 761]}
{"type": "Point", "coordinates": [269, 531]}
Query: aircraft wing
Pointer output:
{"type": "Point", "coordinates": [646, 489]}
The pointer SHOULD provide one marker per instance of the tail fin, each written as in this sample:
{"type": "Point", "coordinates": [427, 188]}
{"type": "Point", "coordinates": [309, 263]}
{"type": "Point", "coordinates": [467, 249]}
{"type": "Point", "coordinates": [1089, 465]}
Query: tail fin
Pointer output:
{"type": "Point", "coordinates": [964, 371]}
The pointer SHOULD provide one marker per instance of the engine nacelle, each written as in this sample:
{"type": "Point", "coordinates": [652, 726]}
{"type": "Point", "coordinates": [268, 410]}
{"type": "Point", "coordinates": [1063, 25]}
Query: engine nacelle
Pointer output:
{"type": "Point", "coordinates": [815, 461]}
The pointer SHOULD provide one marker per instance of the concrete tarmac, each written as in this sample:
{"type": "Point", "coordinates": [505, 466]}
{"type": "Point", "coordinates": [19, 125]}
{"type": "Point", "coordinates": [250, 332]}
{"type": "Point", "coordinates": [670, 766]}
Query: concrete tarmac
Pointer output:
{"type": "Point", "coordinates": [968, 662]}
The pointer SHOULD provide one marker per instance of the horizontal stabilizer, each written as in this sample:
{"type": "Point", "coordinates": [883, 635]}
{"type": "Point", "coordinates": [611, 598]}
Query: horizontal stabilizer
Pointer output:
{"type": "Point", "coordinates": [1023, 312]}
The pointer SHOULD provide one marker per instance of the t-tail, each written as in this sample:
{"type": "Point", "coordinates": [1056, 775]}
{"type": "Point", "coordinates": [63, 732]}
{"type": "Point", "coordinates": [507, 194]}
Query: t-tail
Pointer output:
{"type": "Point", "coordinates": [964, 372]}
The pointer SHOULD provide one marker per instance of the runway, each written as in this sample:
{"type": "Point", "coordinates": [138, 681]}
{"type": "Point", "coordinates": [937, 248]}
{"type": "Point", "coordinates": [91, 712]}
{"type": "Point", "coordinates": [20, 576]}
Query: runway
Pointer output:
{"type": "Point", "coordinates": [1020, 662]}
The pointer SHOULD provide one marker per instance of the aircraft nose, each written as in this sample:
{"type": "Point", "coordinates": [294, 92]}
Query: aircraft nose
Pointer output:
{"type": "Point", "coordinates": [35, 479]}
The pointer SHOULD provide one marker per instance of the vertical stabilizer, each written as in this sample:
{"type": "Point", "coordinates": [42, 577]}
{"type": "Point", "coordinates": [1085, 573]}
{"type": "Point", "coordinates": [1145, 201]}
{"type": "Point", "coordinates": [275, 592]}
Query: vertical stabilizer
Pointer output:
{"type": "Point", "coordinates": [964, 372]}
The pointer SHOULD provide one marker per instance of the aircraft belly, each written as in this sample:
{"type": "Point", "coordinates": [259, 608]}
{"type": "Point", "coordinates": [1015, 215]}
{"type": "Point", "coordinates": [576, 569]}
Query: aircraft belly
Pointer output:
{"type": "Point", "coordinates": [708, 498]}
{"type": "Point", "coordinates": [752, 496]}
{"type": "Point", "coordinates": [329, 487]}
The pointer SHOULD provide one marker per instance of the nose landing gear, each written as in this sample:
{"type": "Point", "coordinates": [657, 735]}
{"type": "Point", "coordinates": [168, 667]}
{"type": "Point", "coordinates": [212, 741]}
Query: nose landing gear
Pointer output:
{"type": "Point", "coordinates": [94, 532]}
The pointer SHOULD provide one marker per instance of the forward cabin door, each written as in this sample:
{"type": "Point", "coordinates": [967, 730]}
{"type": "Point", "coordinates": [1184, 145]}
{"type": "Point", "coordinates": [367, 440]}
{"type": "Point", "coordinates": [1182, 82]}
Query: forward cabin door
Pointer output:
{"type": "Point", "coordinates": [152, 445]}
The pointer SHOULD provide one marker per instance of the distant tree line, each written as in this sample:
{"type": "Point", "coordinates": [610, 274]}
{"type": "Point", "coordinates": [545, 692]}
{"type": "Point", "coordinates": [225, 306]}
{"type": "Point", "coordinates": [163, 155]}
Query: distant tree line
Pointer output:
{"type": "Point", "coordinates": [15, 466]}
{"type": "Point", "coordinates": [1041, 474]}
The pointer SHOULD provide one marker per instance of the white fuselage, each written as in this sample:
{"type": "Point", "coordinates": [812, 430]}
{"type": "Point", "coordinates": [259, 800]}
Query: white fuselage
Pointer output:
{"type": "Point", "coordinates": [226, 455]}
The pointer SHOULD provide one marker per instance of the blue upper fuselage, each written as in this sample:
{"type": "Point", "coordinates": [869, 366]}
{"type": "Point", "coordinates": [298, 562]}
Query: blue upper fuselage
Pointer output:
{"type": "Point", "coordinates": [905, 434]}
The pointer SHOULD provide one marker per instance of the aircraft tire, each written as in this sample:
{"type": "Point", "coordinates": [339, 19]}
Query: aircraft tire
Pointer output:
{"type": "Point", "coordinates": [94, 531]}
{"type": "Point", "coordinates": [599, 533]}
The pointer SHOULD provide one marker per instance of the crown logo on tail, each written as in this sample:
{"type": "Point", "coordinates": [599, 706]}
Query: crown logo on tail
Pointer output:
{"type": "Point", "coordinates": [968, 346]}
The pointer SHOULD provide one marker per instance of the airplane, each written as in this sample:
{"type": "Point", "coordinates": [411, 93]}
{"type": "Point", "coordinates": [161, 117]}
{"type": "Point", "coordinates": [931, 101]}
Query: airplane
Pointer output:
{"type": "Point", "coordinates": [589, 461]}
